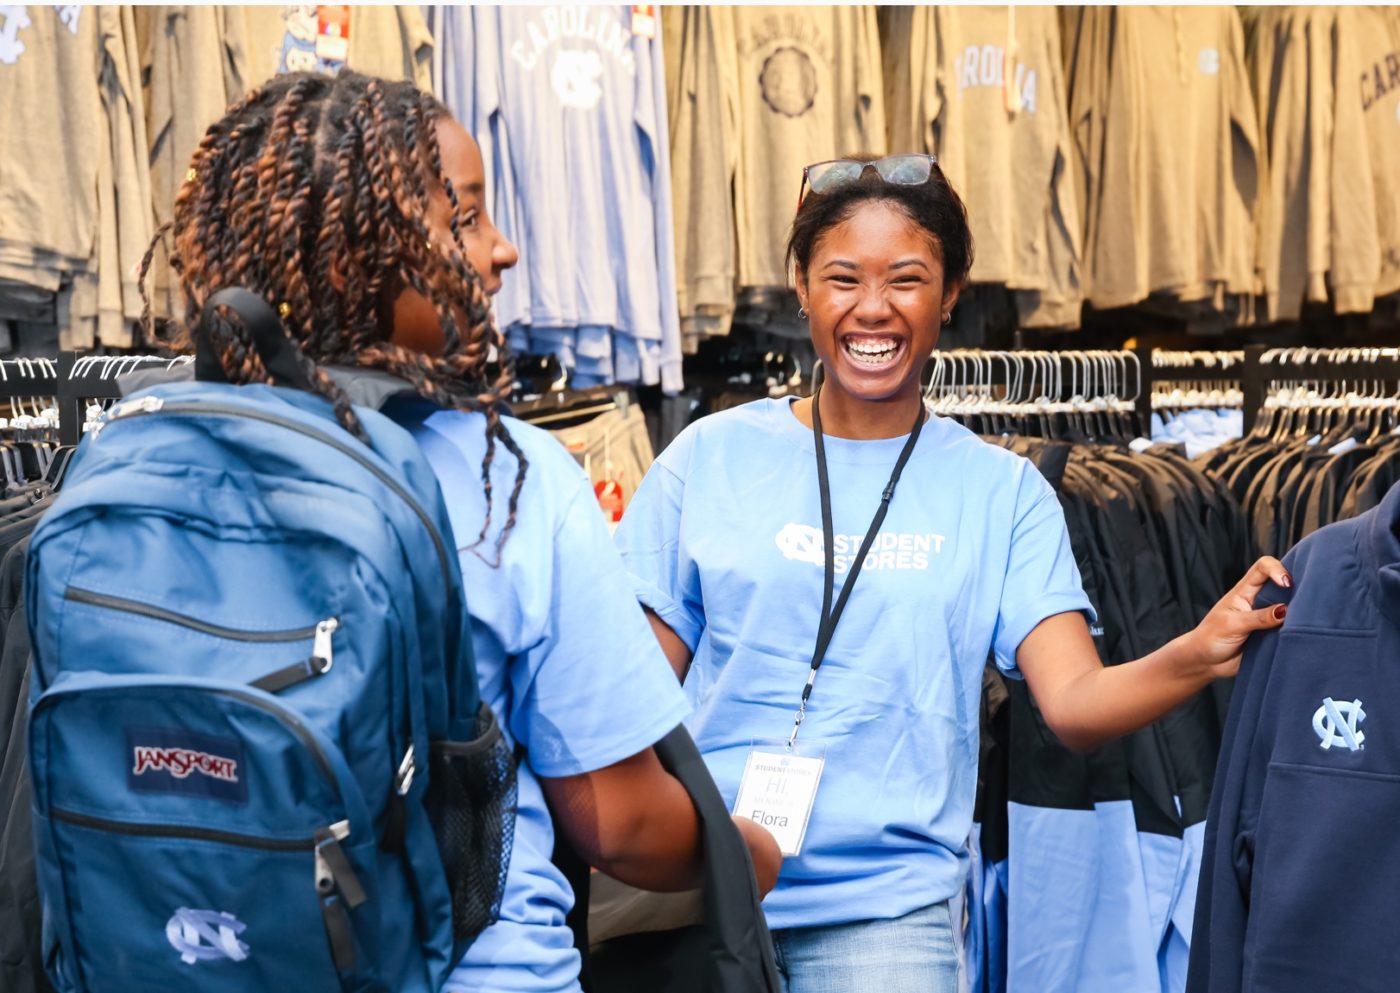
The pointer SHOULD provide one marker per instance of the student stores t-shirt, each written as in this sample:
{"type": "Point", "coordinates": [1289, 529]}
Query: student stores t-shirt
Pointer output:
{"type": "Point", "coordinates": [724, 542]}
{"type": "Point", "coordinates": [566, 659]}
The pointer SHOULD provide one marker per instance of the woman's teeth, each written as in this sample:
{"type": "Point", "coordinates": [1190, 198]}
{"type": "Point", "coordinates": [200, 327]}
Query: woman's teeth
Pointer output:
{"type": "Point", "coordinates": [872, 352]}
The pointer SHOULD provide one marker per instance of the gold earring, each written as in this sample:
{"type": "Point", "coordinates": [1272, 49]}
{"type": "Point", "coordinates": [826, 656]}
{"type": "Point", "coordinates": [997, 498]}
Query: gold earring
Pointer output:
{"type": "Point", "coordinates": [284, 309]}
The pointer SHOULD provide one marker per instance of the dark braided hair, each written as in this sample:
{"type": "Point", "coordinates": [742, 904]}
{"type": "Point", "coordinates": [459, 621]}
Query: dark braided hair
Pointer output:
{"type": "Point", "coordinates": [314, 182]}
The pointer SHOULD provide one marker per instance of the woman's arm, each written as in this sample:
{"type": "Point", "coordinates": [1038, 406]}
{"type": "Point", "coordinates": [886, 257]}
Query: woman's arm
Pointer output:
{"type": "Point", "coordinates": [1087, 704]}
{"type": "Point", "coordinates": [676, 651]}
{"type": "Point", "coordinates": [632, 820]}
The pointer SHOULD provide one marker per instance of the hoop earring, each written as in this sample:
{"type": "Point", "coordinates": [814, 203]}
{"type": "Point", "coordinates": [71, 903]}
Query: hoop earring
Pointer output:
{"type": "Point", "coordinates": [801, 314]}
{"type": "Point", "coordinates": [947, 318]}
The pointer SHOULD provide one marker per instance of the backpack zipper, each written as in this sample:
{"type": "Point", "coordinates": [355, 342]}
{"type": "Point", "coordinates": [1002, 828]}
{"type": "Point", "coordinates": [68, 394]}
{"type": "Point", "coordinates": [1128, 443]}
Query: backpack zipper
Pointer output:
{"type": "Point", "coordinates": [332, 868]}
{"type": "Point", "coordinates": [126, 606]}
{"type": "Point", "coordinates": [341, 830]}
{"type": "Point", "coordinates": [154, 405]}
{"type": "Point", "coordinates": [320, 634]}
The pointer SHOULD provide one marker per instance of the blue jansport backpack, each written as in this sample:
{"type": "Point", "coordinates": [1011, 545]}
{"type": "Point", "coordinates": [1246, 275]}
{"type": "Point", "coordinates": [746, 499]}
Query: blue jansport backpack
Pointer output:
{"type": "Point", "coordinates": [259, 758]}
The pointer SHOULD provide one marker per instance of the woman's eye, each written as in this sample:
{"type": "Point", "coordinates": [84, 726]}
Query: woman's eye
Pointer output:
{"type": "Point", "coordinates": [469, 218]}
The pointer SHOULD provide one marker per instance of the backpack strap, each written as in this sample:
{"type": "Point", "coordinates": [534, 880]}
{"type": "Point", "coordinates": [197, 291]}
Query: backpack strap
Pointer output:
{"type": "Point", "coordinates": [264, 327]}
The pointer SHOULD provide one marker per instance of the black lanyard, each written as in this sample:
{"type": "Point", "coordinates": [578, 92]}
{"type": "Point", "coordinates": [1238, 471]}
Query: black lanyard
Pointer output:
{"type": "Point", "coordinates": [831, 615]}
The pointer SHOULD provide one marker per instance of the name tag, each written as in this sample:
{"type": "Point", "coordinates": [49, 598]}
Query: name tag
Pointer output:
{"type": "Point", "coordinates": [778, 788]}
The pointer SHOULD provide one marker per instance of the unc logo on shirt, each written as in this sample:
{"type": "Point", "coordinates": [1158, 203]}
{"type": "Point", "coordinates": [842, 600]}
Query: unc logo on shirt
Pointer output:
{"type": "Point", "coordinates": [890, 550]}
{"type": "Point", "coordinates": [600, 26]}
{"type": "Point", "coordinates": [575, 79]}
{"type": "Point", "coordinates": [1338, 724]}
{"type": "Point", "coordinates": [203, 935]}
{"type": "Point", "coordinates": [16, 17]}
{"type": "Point", "coordinates": [789, 82]}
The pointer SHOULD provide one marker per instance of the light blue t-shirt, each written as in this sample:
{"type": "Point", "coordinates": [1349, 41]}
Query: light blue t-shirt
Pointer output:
{"type": "Point", "coordinates": [724, 541]}
{"type": "Point", "coordinates": [566, 659]}
{"type": "Point", "coordinates": [569, 105]}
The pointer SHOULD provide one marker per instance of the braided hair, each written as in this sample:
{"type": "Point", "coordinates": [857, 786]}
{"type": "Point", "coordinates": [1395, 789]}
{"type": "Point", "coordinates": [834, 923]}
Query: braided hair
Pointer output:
{"type": "Point", "coordinates": [313, 183]}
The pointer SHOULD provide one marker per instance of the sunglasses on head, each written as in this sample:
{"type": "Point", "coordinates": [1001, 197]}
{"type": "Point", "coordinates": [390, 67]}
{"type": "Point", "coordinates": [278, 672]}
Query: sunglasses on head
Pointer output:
{"type": "Point", "coordinates": [901, 170]}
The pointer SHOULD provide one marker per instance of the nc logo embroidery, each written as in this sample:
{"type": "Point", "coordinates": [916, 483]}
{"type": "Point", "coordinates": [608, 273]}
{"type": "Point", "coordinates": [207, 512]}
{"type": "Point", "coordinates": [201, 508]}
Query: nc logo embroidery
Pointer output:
{"type": "Point", "coordinates": [16, 17]}
{"type": "Point", "coordinates": [1336, 724]}
{"type": "Point", "coordinates": [202, 935]}
{"type": "Point", "coordinates": [801, 543]}
{"type": "Point", "coordinates": [575, 78]}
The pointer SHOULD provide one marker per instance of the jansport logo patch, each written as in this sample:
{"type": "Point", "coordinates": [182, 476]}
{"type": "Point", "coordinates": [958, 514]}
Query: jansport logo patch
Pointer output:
{"type": "Point", "coordinates": [169, 760]}
{"type": "Point", "coordinates": [180, 762]}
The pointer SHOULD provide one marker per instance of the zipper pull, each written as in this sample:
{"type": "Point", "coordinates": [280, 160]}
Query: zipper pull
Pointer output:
{"type": "Point", "coordinates": [404, 779]}
{"type": "Point", "coordinates": [145, 405]}
{"type": "Point", "coordinates": [333, 869]}
{"type": "Point", "coordinates": [321, 648]}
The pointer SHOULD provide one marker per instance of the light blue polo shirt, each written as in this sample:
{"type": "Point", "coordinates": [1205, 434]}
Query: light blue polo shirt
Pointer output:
{"type": "Point", "coordinates": [566, 659]}
{"type": "Point", "coordinates": [724, 541]}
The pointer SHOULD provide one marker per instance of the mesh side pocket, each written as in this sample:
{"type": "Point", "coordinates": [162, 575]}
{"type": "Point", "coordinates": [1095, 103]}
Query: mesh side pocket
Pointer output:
{"type": "Point", "coordinates": [471, 801]}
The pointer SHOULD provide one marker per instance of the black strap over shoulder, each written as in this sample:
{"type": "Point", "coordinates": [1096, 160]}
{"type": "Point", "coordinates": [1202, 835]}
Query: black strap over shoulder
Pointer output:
{"type": "Point", "coordinates": [264, 327]}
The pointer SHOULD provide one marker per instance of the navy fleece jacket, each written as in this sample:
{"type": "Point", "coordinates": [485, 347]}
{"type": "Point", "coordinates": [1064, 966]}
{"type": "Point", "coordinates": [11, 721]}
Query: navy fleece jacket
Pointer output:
{"type": "Point", "coordinates": [1300, 886]}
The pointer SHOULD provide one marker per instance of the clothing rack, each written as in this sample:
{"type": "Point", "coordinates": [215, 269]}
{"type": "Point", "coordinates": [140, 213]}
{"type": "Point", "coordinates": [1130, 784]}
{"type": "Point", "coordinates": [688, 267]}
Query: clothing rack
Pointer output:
{"type": "Point", "coordinates": [1264, 367]}
{"type": "Point", "coordinates": [72, 380]}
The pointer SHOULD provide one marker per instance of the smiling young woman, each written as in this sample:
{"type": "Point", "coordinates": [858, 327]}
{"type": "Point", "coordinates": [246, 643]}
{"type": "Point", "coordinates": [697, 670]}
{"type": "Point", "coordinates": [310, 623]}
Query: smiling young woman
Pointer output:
{"type": "Point", "coordinates": [828, 577]}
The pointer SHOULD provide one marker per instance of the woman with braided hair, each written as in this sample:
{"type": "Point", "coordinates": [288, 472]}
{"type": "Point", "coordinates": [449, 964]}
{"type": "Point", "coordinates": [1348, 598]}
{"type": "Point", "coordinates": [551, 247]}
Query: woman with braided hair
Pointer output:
{"type": "Point", "coordinates": [357, 208]}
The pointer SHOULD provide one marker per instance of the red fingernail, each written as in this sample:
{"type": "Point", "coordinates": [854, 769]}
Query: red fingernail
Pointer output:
{"type": "Point", "coordinates": [1280, 612]}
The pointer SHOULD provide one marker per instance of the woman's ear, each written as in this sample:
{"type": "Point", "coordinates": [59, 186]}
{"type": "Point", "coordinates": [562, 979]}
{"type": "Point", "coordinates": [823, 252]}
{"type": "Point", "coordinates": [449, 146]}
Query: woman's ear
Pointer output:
{"type": "Point", "coordinates": [800, 284]}
{"type": "Point", "coordinates": [950, 297]}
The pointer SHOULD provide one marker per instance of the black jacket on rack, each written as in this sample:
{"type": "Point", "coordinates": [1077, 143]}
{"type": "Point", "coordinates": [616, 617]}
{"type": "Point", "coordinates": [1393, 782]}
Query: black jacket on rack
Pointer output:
{"type": "Point", "coordinates": [1157, 543]}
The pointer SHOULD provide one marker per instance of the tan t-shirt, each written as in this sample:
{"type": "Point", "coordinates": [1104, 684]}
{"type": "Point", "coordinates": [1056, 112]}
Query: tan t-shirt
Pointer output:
{"type": "Point", "coordinates": [702, 94]}
{"type": "Point", "coordinates": [389, 41]}
{"type": "Point", "coordinates": [193, 65]}
{"type": "Point", "coordinates": [1179, 176]}
{"type": "Point", "coordinates": [810, 89]}
{"type": "Point", "coordinates": [1378, 49]}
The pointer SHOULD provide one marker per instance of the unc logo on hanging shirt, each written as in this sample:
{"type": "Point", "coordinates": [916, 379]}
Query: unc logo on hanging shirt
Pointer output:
{"type": "Point", "coordinates": [1339, 724]}
{"type": "Point", "coordinates": [204, 935]}
{"type": "Point", "coordinates": [15, 17]}
{"type": "Point", "coordinates": [602, 26]}
{"type": "Point", "coordinates": [575, 79]}
{"type": "Point", "coordinates": [891, 549]}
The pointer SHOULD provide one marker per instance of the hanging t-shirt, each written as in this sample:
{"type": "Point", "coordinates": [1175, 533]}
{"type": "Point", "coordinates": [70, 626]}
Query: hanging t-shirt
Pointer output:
{"type": "Point", "coordinates": [76, 215]}
{"type": "Point", "coordinates": [983, 89]}
{"type": "Point", "coordinates": [1173, 188]}
{"type": "Point", "coordinates": [569, 106]}
{"type": "Point", "coordinates": [810, 89]}
{"type": "Point", "coordinates": [565, 659]}
{"type": "Point", "coordinates": [390, 41]}
{"type": "Point", "coordinates": [724, 541]}
{"type": "Point", "coordinates": [192, 64]}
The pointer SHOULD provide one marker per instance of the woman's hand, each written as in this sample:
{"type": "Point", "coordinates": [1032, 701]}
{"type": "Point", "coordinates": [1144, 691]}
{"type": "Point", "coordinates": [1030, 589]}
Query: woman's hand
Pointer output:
{"type": "Point", "coordinates": [763, 849]}
{"type": "Point", "coordinates": [1217, 643]}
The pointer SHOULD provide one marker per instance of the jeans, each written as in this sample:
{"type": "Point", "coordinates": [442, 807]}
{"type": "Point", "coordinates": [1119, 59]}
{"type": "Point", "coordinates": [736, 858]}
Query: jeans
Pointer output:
{"type": "Point", "coordinates": [910, 954]}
